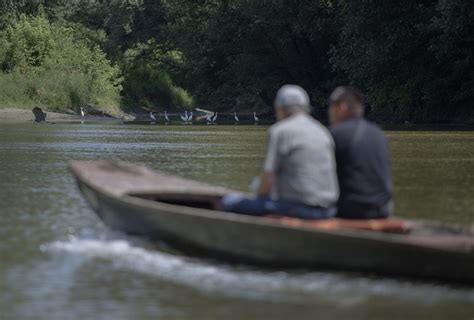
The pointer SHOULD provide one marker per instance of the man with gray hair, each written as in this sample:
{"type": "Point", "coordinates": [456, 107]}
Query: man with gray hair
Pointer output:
{"type": "Point", "coordinates": [299, 175]}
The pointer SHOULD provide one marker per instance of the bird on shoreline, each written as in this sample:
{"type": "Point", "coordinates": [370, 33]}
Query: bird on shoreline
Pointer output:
{"type": "Point", "coordinates": [184, 117]}
{"type": "Point", "coordinates": [83, 114]}
{"type": "Point", "coordinates": [255, 118]}
{"type": "Point", "coordinates": [235, 117]}
{"type": "Point", "coordinates": [190, 117]}
{"type": "Point", "coordinates": [166, 117]}
{"type": "Point", "coordinates": [209, 118]}
{"type": "Point", "coordinates": [152, 117]}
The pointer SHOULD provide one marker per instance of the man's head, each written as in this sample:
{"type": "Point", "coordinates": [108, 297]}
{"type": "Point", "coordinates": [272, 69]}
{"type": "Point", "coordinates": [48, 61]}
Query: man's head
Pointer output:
{"type": "Point", "coordinates": [345, 103]}
{"type": "Point", "coordinates": [291, 99]}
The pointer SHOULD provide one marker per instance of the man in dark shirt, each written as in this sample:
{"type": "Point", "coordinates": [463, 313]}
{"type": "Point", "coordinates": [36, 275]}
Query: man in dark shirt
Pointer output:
{"type": "Point", "coordinates": [362, 158]}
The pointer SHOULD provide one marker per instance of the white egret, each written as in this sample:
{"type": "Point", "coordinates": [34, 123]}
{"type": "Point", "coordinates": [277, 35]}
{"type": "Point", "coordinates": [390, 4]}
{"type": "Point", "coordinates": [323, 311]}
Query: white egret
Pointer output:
{"type": "Point", "coordinates": [235, 117]}
{"type": "Point", "coordinates": [166, 117]}
{"type": "Point", "coordinates": [255, 118]}
{"type": "Point", "coordinates": [209, 118]}
{"type": "Point", "coordinates": [83, 114]}
{"type": "Point", "coordinates": [184, 117]}
{"type": "Point", "coordinates": [190, 117]}
{"type": "Point", "coordinates": [152, 116]}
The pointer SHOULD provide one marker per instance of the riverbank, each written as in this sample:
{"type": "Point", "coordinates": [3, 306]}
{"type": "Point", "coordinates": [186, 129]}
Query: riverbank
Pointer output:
{"type": "Point", "coordinates": [25, 115]}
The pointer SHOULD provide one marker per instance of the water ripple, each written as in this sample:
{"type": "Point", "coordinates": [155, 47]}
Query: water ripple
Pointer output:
{"type": "Point", "coordinates": [248, 283]}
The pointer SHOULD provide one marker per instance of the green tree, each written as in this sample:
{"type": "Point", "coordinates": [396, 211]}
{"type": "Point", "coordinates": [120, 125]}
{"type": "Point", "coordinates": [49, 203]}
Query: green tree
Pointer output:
{"type": "Point", "coordinates": [413, 58]}
{"type": "Point", "coordinates": [238, 53]}
{"type": "Point", "coordinates": [53, 67]}
{"type": "Point", "coordinates": [452, 43]}
{"type": "Point", "coordinates": [148, 83]}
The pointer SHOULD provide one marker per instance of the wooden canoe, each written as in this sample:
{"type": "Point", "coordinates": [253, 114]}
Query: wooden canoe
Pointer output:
{"type": "Point", "coordinates": [137, 200]}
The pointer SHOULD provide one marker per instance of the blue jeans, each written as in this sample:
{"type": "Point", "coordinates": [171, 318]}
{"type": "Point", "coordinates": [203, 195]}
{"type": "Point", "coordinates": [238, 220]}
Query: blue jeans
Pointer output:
{"type": "Point", "coordinates": [259, 206]}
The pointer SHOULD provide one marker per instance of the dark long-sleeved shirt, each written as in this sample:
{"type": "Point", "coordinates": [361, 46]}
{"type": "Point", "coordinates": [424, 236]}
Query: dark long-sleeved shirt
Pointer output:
{"type": "Point", "coordinates": [363, 165]}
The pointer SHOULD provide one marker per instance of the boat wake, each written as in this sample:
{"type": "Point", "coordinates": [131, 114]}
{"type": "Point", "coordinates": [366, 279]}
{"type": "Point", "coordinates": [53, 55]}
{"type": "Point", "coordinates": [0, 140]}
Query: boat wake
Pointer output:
{"type": "Point", "coordinates": [249, 283]}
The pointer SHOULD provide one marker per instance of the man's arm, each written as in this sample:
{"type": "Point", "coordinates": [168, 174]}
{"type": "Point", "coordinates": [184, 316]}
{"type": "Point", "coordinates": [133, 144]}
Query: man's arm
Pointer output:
{"type": "Point", "coordinates": [268, 177]}
{"type": "Point", "coordinates": [266, 184]}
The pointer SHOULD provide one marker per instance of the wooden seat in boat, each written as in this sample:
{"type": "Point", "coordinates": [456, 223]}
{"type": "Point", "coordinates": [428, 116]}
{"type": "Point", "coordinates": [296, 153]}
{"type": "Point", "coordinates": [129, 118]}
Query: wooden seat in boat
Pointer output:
{"type": "Point", "coordinates": [390, 225]}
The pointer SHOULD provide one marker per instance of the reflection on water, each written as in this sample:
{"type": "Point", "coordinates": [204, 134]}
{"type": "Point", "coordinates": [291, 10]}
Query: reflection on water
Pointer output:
{"type": "Point", "coordinates": [58, 261]}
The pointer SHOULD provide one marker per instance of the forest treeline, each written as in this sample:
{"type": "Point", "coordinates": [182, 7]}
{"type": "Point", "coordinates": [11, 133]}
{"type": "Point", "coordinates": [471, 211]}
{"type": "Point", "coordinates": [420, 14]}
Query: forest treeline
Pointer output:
{"type": "Point", "coordinates": [413, 59]}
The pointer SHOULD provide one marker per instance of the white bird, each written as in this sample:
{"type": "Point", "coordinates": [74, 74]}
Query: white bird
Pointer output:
{"type": "Point", "coordinates": [214, 118]}
{"type": "Point", "coordinates": [209, 118]}
{"type": "Point", "coordinates": [235, 117]}
{"type": "Point", "coordinates": [184, 116]}
{"type": "Point", "coordinates": [166, 117]}
{"type": "Point", "coordinates": [83, 114]}
{"type": "Point", "coordinates": [190, 117]}
{"type": "Point", "coordinates": [152, 116]}
{"type": "Point", "coordinates": [255, 118]}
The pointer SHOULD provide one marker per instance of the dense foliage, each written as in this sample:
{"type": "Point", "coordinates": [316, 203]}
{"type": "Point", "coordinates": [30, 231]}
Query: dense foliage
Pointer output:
{"type": "Point", "coordinates": [414, 59]}
{"type": "Point", "coordinates": [52, 65]}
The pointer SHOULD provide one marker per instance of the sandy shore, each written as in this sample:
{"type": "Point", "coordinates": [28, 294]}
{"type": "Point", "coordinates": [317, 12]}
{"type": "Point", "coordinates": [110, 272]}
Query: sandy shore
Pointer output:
{"type": "Point", "coordinates": [25, 115]}
{"type": "Point", "coordinates": [22, 115]}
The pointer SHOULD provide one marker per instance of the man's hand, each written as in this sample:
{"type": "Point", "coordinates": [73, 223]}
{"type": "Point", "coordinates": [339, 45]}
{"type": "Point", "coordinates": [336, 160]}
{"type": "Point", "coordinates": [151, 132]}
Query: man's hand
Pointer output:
{"type": "Point", "coordinates": [266, 184]}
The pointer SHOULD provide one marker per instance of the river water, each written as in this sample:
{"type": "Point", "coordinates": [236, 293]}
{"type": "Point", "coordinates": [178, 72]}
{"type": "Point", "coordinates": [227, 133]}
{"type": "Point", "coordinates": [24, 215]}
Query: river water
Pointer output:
{"type": "Point", "coordinates": [58, 261]}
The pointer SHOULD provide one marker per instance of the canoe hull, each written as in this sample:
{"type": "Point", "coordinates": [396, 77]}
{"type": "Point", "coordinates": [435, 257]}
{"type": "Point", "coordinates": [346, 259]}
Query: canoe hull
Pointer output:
{"type": "Point", "coordinates": [241, 238]}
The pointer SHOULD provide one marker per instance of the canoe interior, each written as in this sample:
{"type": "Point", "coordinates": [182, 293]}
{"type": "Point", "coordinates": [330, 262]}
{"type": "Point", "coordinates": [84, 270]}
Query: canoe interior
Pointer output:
{"type": "Point", "coordinates": [209, 202]}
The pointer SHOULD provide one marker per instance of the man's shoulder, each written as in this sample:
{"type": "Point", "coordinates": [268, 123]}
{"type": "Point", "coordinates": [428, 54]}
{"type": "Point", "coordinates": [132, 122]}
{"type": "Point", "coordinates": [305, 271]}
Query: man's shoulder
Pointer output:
{"type": "Point", "coordinates": [343, 133]}
{"type": "Point", "coordinates": [374, 132]}
{"type": "Point", "coordinates": [345, 128]}
{"type": "Point", "coordinates": [296, 122]}
{"type": "Point", "coordinates": [282, 126]}
{"type": "Point", "coordinates": [374, 127]}
{"type": "Point", "coordinates": [275, 129]}
{"type": "Point", "coordinates": [303, 126]}
{"type": "Point", "coordinates": [350, 125]}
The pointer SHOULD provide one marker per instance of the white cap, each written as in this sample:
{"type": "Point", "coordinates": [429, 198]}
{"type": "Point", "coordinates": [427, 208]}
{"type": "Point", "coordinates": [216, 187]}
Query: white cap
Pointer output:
{"type": "Point", "coordinates": [292, 98]}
